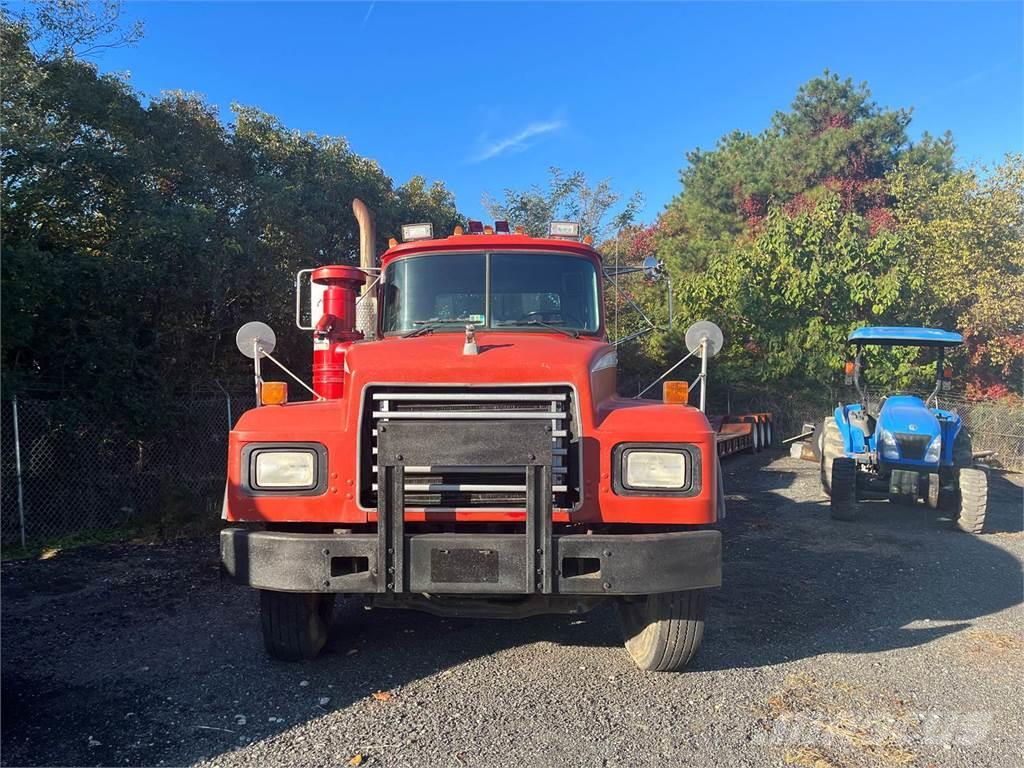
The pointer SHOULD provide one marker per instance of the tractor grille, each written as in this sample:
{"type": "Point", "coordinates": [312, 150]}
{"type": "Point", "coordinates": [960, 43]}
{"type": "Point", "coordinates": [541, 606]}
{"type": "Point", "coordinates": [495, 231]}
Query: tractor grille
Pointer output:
{"type": "Point", "coordinates": [443, 488]}
{"type": "Point", "coordinates": [912, 446]}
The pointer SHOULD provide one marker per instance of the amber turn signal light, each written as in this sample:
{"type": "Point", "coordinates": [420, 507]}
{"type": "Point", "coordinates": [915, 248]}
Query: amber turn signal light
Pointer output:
{"type": "Point", "coordinates": [849, 368]}
{"type": "Point", "coordinates": [676, 392]}
{"type": "Point", "coordinates": [273, 392]}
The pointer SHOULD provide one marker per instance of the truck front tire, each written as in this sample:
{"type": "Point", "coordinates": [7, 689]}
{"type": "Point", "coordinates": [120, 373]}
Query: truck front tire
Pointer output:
{"type": "Point", "coordinates": [295, 624]}
{"type": "Point", "coordinates": [663, 632]}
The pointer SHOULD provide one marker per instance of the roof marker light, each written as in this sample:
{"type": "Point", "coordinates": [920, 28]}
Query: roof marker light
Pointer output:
{"type": "Point", "coordinates": [458, 230]}
{"type": "Point", "coordinates": [392, 242]}
{"type": "Point", "coordinates": [488, 230]}
{"type": "Point", "coordinates": [520, 229]}
{"type": "Point", "coordinates": [417, 232]}
{"type": "Point", "coordinates": [568, 229]}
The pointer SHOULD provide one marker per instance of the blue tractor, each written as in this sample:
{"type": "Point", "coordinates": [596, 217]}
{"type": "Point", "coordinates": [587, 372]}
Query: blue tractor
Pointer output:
{"type": "Point", "coordinates": [906, 448]}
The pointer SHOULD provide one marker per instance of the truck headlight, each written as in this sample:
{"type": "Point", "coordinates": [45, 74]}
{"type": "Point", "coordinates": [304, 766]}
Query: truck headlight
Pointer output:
{"type": "Point", "coordinates": [285, 469]}
{"type": "Point", "coordinates": [288, 468]}
{"type": "Point", "coordinates": [932, 454]}
{"type": "Point", "coordinates": [888, 442]}
{"type": "Point", "coordinates": [656, 469]}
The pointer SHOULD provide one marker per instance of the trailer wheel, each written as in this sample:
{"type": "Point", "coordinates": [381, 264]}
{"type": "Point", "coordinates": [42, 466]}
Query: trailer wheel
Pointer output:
{"type": "Point", "coordinates": [973, 500]}
{"type": "Point", "coordinates": [295, 624]}
{"type": "Point", "coordinates": [755, 438]}
{"type": "Point", "coordinates": [831, 448]}
{"type": "Point", "coordinates": [844, 489]}
{"type": "Point", "coordinates": [663, 632]}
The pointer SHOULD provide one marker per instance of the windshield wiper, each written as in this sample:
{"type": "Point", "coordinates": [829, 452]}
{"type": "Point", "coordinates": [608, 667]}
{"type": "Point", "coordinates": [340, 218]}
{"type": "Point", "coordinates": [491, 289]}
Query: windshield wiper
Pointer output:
{"type": "Point", "coordinates": [571, 332]}
{"type": "Point", "coordinates": [428, 326]}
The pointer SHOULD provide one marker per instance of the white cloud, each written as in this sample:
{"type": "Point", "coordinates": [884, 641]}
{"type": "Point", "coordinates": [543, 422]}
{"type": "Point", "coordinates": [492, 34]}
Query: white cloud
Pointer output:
{"type": "Point", "coordinates": [517, 142]}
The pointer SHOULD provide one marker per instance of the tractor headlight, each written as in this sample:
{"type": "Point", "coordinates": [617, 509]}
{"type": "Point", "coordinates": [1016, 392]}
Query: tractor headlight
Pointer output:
{"type": "Point", "coordinates": [888, 442]}
{"type": "Point", "coordinates": [934, 450]}
{"type": "Point", "coordinates": [284, 468]}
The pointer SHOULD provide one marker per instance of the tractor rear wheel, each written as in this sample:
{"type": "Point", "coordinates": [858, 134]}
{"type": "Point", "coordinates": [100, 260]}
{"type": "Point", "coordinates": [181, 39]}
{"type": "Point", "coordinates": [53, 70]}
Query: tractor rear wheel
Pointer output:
{"type": "Point", "coordinates": [844, 488]}
{"type": "Point", "coordinates": [663, 632]}
{"type": "Point", "coordinates": [832, 448]}
{"type": "Point", "coordinates": [973, 499]}
{"type": "Point", "coordinates": [963, 450]}
{"type": "Point", "coordinates": [295, 624]}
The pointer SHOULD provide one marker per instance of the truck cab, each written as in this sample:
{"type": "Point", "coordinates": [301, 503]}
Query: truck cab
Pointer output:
{"type": "Point", "coordinates": [474, 458]}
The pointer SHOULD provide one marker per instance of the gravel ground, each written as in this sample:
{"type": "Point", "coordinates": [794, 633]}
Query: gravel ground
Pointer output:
{"type": "Point", "coordinates": [890, 641]}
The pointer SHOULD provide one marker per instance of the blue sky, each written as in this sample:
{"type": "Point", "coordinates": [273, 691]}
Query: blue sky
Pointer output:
{"type": "Point", "coordinates": [489, 95]}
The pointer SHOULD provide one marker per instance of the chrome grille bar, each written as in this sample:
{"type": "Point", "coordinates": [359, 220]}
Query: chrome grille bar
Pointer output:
{"type": "Point", "coordinates": [449, 487]}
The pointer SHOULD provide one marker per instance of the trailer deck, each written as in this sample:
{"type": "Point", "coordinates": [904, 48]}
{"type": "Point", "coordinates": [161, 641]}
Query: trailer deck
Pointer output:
{"type": "Point", "coordinates": [743, 432]}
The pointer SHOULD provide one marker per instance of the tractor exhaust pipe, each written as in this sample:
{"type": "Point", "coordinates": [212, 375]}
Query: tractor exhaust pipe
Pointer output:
{"type": "Point", "coordinates": [366, 310]}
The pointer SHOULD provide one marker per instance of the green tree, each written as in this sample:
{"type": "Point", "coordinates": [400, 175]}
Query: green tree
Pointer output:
{"type": "Point", "coordinates": [566, 197]}
{"type": "Point", "coordinates": [829, 219]}
{"type": "Point", "coordinates": [136, 239]}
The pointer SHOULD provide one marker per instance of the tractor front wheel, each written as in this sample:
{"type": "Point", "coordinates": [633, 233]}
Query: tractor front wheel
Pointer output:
{"type": "Point", "coordinates": [973, 499]}
{"type": "Point", "coordinates": [663, 632]}
{"type": "Point", "coordinates": [844, 489]}
{"type": "Point", "coordinates": [295, 624]}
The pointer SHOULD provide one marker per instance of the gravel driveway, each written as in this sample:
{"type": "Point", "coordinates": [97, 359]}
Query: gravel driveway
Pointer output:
{"type": "Point", "coordinates": [890, 641]}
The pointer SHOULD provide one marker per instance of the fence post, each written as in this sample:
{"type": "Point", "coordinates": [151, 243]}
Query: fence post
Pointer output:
{"type": "Point", "coordinates": [227, 398]}
{"type": "Point", "coordinates": [17, 470]}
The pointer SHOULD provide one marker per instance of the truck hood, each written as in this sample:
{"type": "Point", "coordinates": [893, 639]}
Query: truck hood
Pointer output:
{"type": "Point", "coordinates": [521, 357]}
{"type": "Point", "coordinates": [909, 415]}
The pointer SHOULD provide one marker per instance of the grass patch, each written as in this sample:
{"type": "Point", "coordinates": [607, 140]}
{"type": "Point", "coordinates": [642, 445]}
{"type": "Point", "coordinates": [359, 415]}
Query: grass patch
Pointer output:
{"type": "Point", "coordinates": [840, 724]}
{"type": "Point", "coordinates": [146, 534]}
{"type": "Point", "coordinates": [981, 642]}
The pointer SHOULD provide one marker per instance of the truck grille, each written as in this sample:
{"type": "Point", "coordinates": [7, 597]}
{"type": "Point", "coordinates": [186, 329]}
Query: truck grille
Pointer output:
{"type": "Point", "coordinates": [442, 488]}
{"type": "Point", "coordinates": [912, 446]}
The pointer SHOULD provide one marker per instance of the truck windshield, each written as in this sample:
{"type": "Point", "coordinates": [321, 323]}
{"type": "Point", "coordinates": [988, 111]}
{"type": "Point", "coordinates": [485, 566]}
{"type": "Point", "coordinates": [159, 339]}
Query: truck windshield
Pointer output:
{"type": "Point", "coordinates": [491, 290]}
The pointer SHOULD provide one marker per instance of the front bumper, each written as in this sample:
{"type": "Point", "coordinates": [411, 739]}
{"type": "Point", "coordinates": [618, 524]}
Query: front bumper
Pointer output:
{"type": "Point", "coordinates": [471, 563]}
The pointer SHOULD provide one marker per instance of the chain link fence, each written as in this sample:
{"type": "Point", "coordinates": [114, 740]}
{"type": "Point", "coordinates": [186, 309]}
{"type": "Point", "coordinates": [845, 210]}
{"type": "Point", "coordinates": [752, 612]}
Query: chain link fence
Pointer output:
{"type": "Point", "coordinates": [80, 476]}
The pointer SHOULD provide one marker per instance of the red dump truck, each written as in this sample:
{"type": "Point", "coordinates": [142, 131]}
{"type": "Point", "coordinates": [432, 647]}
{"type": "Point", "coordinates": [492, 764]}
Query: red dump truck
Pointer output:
{"type": "Point", "coordinates": [472, 458]}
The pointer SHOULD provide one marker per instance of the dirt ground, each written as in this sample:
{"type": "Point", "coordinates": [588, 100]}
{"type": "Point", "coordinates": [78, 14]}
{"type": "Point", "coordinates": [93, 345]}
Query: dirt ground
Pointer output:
{"type": "Point", "coordinates": [890, 641]}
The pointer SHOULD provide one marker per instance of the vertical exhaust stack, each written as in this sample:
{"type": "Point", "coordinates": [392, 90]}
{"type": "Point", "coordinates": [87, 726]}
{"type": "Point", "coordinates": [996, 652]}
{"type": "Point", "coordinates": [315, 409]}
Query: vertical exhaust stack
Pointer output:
{"type": "Point", "coordinates": [366, 309]}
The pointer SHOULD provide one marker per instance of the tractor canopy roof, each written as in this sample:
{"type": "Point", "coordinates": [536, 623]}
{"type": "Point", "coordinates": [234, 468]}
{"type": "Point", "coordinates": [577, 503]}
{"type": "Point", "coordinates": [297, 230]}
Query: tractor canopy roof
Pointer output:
{"type": "Point", "coordinates": [894, 336]}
